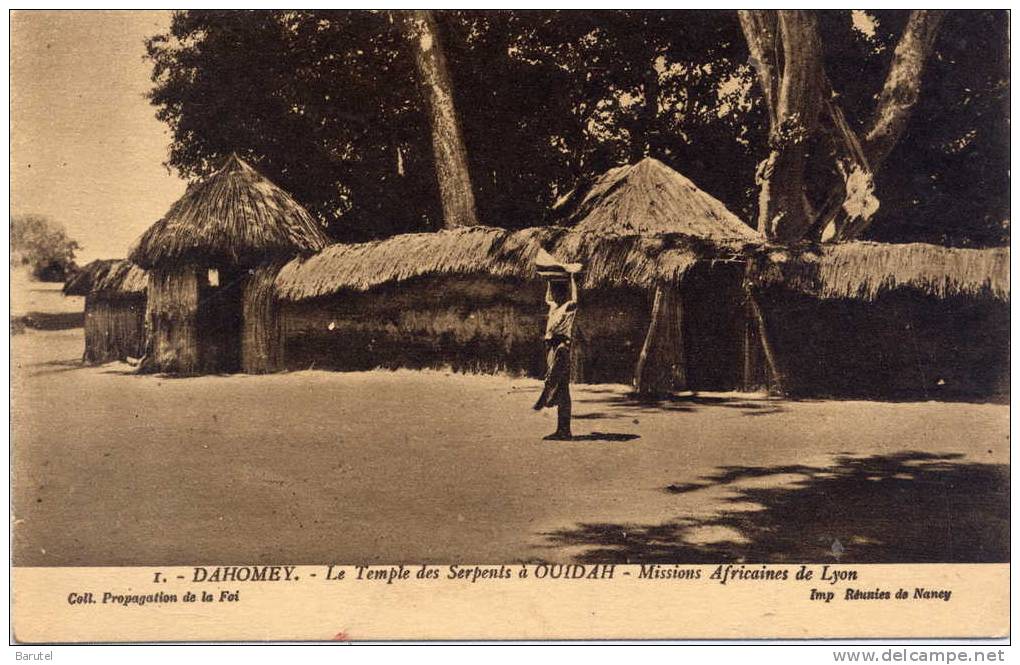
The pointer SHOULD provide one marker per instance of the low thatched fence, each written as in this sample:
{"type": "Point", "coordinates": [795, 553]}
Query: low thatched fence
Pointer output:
{"type": "Point", "coordinates": [866, 270]}
{"type": "Point", "coordinates": [463, 323]}
{"type": "Point", "coordinates": [469, 299]}
{"type": "Point", "coordinates": [868, 319]}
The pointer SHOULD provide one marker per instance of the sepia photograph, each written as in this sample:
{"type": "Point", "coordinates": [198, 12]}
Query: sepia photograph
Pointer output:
{"type": "Point", "coordinates": [353, 294]}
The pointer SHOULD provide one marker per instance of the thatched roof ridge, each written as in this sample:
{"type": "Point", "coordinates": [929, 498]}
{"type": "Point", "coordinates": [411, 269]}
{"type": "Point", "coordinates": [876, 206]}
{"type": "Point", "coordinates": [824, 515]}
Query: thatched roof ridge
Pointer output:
{"type": "Point", "coordinates": [864, 270]}
{"type": "Point", "coordinates": [638, 260]}
{"type": "Point", "coordinates": [650, 197]}
{"type": "Point", "coordinates": [637, 225]}
{"type": "Point", "coordinates": [235, 215]}
{"type": "Point", "coordinates": [110, 277]}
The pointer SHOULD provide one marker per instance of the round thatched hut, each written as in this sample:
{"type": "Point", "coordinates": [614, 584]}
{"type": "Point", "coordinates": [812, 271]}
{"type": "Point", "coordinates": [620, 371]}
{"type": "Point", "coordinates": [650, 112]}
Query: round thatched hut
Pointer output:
{"type": "Point", "coordinates": [211, 261]}
{"type": "Point", "coordinates": [114, 293]}
{"type": "Point", "coordinates": [470, 298]}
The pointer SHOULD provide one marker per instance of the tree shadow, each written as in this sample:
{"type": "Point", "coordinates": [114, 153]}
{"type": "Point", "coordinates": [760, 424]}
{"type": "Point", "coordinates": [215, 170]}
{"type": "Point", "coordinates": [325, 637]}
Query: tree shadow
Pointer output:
{"type": "Point", "coordinates": [55, 366]}
{"type": "Point", "coordinates": [908, 507]}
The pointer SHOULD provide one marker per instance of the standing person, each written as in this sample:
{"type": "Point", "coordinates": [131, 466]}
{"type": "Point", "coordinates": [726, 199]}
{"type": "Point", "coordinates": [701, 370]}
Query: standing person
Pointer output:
{"type": "Point", "coordinates": [559, 332]}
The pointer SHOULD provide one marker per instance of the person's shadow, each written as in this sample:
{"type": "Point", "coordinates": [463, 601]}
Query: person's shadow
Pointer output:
{"type": "Point", "coordinates": [605, 436]}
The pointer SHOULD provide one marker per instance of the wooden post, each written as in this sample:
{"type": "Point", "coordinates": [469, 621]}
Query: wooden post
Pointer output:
{"type": "Point", "coordinates": [752, 350]}
{"type": "Point", "coordinates": [661, 366]}
{"type": "Point", "coordinates": [578, 356]}
{"type": "Point", "coordinates": [776, 382]}
{"type": "Point", "coordinates": [678, 356]}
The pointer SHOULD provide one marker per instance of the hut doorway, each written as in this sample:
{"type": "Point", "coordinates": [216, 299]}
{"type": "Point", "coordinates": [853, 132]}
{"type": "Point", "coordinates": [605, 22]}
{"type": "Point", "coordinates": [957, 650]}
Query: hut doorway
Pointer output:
{"type": "Point", "coordinates": [220, 319]}
{"type": "Point", "coordinates": [714, 319]}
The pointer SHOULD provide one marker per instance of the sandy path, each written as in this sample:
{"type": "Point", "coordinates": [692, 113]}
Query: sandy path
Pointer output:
{"type": "Point", "coordinates": [385, 467]}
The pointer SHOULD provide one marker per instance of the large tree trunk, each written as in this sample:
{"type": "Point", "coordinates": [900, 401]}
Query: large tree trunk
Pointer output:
{"type": "Point", "coordinates": [792, 81]}
{"type": "Point", "coordinates": [896, 102]}
{"type": "Point", "coordinates": [662, 367]}
{"type": "Point", "coordinates": [785, 52]}
{"type": "Point", "coordinates": [450, 155]}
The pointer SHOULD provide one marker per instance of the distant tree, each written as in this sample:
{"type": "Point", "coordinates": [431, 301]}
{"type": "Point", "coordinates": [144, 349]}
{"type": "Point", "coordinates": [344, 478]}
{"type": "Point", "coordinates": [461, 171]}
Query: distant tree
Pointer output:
{"type": "Point", "coordinates": [42, 246]}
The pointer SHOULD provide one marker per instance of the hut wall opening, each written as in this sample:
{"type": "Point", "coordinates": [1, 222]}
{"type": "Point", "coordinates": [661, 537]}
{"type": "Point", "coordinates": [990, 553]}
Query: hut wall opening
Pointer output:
{"type": "Point", "coordinates": [219, 318]}
{"type": "Point", "coordinates": [714, 326]}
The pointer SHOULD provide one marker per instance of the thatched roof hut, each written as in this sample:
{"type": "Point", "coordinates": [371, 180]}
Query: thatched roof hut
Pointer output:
{"type": "Point", "coordinates": [114, 293]}
{"type": "Point", "coordinates": [641, 227]}
{"type": "Point", "coordinates": [108, 277]}
{"type": "Point", "coordinates": [236, 216]}
{"type": "Point", "coordinates": [208, 257]}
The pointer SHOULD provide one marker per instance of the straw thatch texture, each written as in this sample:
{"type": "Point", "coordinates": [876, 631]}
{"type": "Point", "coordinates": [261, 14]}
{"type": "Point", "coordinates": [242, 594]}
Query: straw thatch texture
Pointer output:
{"type": "Point", "coordinates": [114, 328]}
{"type": "Point", "coordinates": [638, 226]}
{"type": "Point", "coordinates": [864, 270]}
{"type": "Point", "coordinates": [111, 277]}
{"type": "Point", "coordinates": [171, 321]}
{"type": "Point", "coordinates": [650, 197]}
{"type": "Point", "coordinates": [262, 334]}
{"type": "Point", "coordinates": [114, 318]}
{"type": "Point", "coordinates": [236, 217]}
{"type": "Point", "coordinates": [610, 260]}
{"type": "Point", "coordinates": [463, 323]}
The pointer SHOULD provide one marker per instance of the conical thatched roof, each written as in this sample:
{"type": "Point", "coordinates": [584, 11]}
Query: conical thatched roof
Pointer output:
{"type": "Point", "coordinates": [110, 277]}
{"type": "Point", "coordinates": [236, 216]}
{"type": "Point", "coordinates": [649, 197]}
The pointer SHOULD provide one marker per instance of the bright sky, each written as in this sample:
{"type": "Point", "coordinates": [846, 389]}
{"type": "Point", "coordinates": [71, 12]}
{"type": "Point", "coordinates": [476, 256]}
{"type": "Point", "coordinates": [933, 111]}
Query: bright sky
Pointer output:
{"type": "Point", "coordinates": [86, 148]}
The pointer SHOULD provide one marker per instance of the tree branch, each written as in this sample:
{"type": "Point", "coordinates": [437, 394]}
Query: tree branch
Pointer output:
{"type": "Point", "coordinates": [900, 92]}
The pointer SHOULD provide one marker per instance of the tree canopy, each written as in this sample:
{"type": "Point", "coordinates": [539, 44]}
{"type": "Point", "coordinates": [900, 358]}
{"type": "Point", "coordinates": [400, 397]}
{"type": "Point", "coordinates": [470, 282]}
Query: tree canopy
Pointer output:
{"type": "Point", "coordinates": [329, 106]}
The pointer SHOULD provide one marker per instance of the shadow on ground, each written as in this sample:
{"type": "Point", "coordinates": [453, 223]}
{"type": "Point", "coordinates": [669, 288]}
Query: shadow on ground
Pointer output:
{"type": "Point", "coordinates": [56, 366]}
{"type": "Point", "coordinates": [908, 507]}
{"type": "Point", "coordinates": [605, 436]}
{"type": "Point", "coordinates": [47, 321]}
{"type": "Point", "coordinates": [626, 405]}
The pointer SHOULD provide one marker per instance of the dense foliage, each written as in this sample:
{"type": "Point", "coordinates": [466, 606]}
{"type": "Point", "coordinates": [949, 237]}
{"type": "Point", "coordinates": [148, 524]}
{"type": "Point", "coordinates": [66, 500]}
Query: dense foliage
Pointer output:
{"type": "Point", "coordinates": [327, 104]}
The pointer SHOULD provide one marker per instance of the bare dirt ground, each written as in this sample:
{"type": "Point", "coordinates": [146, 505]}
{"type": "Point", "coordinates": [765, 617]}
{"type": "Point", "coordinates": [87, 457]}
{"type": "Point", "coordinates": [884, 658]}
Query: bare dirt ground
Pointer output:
{"type": "Point", "coordinates": [111, 468]}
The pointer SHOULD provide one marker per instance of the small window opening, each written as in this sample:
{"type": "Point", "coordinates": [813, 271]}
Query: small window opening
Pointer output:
{"type": "Point", "coordinates": [214, 277]}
